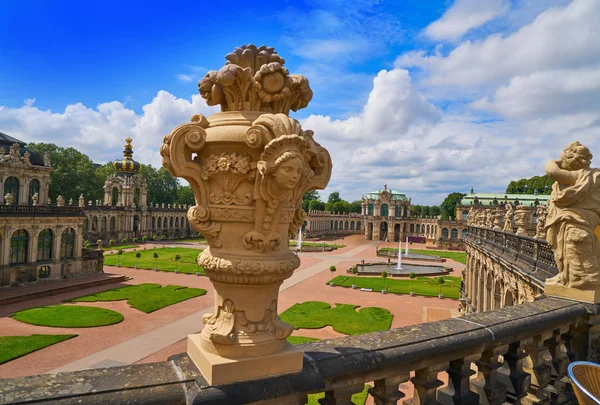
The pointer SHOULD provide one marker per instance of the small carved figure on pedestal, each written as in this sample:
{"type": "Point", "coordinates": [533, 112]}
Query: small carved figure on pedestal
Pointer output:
{"type": "Point", "coordinates": [34, 199]}
{"type": "Point", "coordinates": [508, 218]}
{"type": "Point", "coordinates": [81, 201]}
{"type": "Point", "coordinates": [542, 213]}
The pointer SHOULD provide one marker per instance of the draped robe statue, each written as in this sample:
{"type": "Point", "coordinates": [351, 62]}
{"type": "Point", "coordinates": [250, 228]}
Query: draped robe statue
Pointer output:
{"type": "Point", "coordinates": [573, 216]}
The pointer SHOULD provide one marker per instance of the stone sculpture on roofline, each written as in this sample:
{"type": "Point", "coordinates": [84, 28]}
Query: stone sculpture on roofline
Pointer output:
{"type": "Point", "coordinates": [572, 224]}
{"type": "Point", "coordinates": [249, 166]}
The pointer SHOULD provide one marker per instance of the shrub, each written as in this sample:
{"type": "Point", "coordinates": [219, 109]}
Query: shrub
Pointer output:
{"type": "Point", "coordinates": [124, 241]}
{"type": "Point", "coordinates": [111, 242]}
{"type": "Point", "coordinates": [134, 240]}
{"type": "Point", "coordinates": [144, 239]}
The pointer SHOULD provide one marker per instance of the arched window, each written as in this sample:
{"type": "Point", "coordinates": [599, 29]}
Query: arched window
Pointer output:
{"type": "Point", "coordinates": [136, 223]}
{"type": "Point", "coordinates": [19, 244]}
{"type": "Point", "coordinates": [371, 209]}
{"type": "Point", "coordinates": [103, 224]}
{"type": "Point", "coordinates": [444, 233]}
{"type": "Point", "coordinates": [398, 210]}
{"type": "Point", "coordinates": [335, 225]}
{"type": "Point", "coordinates": [94, 223]}
{"type": "Point", "coordinates": [44, 246]}
{"type": "Point", "coordinates": [384, 210]}
{"type": "Point", "coordinates": [330, 224]}
{"type": "Point", "coordinates": [11, 185]}
{"type": "Point", "coordinates": [166, 223]}
{"type": "Point", "coordinates": [454, 234]}
{"type": "Point", "coordinates": [113, 223]}
{"type": "Point", "coordinates": [171, 222]}
{"type": "Point", "coordinates": [177, 222]}
{"type": "Point", "coordinates": [346, 225]}
{"type": "Point", "coordinates": [86, 224]}
{"type": "Point", "coordinates": [358, 225]}
{"type": "Point", "coordinates": [428, 229]}
{"type": "Point", "coordinates": [352, 225]}
{"type": "Point", "coordinates": [418, 228]}
{"type": "Point", "coordinates": [34, 187]}
{"type": "Point", "coordinates": [114, 196]}
{"type": "Point", "coordinates": [158, 222]}
{"type": "Point", "coordinates": [153, 222]}
{"type": "Point", "coordinates": [465, 213]}
{"type": "Point", "coordinates": [67, 244]}
{"type": "Point", "coordinates": [412, 228]}
{"type": "Point", "coordinates": [405, 212]}
{"type": "Point", "coordinates": [463, 234]}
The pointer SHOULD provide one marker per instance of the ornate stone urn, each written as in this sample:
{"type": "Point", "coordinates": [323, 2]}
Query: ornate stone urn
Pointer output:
{"type": "Point", "coordinates": [249, 166]}
{"type": "Point", "coordinates": [522, 219]}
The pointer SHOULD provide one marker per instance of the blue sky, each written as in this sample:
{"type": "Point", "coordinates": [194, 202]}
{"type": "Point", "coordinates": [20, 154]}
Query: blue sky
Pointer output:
{"type": "Point", "coordinates": [429, 97]}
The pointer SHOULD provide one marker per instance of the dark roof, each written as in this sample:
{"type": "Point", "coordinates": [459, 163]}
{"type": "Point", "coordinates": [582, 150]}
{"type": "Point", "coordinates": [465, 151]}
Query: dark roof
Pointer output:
{"type": "Point", "coordinates": [6, 141]}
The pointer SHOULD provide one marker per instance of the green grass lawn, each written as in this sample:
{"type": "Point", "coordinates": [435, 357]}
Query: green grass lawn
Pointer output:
{"type": "Point", "coordinates": [357, 399]}
{"type": "Point", "coordinates": [317, 244]}
{"type": "Point", "coordinates": [68, 316]}
{"type": "Point", "coordinates": [146, 297]}
{"type": "Point", "coordinates": [422, 285]}
{"type": "Point", "coordinates": [343, 318]}
{"type": "Point", "coordinates": [12, 347]}
{"type": "Point", "coordinates": [196, 240]}
{"type": "Point", "coordinates": [298, 340]}
{"type": "Point", "coordinates": [117, 247]}
{"type": "Point", "coordinates": [460, 257]}
{"type": "Point", "coordinates": [165, 262]}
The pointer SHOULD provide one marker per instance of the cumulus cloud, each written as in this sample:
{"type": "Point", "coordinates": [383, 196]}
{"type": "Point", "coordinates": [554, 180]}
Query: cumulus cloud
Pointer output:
{"type": "Point", "coordinates": [100, 132]}
{"type": "Point", "coordinates": [464, 16]}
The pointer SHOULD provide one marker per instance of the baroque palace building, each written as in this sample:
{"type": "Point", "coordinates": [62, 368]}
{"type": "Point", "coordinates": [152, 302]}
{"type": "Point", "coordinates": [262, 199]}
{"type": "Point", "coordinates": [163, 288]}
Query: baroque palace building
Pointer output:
{"type": "Point", "coordinates": [38, 240]}
{"type": "Point", "coordinates": [125, 213]}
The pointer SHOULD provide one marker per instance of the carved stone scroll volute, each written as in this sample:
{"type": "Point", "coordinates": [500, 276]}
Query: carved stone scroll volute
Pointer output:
{"type": "Point", "coordinates": [249, 166]}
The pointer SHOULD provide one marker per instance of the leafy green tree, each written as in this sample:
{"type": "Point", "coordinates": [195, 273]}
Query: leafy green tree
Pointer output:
{"type": "Point", "coordinates": [162, 187]}
{"type": "Point", "coordinates": [328, 206]}
{"type": "Point", "coordinates": [448, 206]}
{"type": "Point", "coordinates": [412, 277]}
{"type": "Point", "coordinates": [425, 210]}
{"type": "Point", "coordinates": [332, 269]}
{"type": "Point", "coordinates": [308, 197]}
{"type": "Point", "coordinates": [415, 210]}
{"type": "Point", "coordinates": [334, 197]}
{"type": "Point", "coordinates": [441, 282]}
{"type": "Point", "coordinates": [73, 174]}
{"type": "Point", "coordinates": [316, 205]}
{"type": "Point", "coordinates": [341, 206]}
{"type": "Point", "coordinates": [434, 210]}
{"type": "Point", "coordinates": [137, 259]}
{"type": "Point", "coordinates": [119, 253]}
{"type": "Point", "coordinates": [384, 275]}
{"type": "Point", "coordinates": [185, 195]}
{"type": "Point", "coordinates": [155, 255]}
{"type": "Point", "coordinates": [533, 185]}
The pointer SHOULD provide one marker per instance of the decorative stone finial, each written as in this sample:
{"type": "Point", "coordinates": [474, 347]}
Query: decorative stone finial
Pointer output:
{"type": "Point", "coordinates": [70, 201]}
{"type": "Point", "coordinates": [81, 201]}
{"type": "Point", "coordinates": [9, 199]}
{"type": "Point", "coordinates": [254, 79]}
{"type": "Point", "coordinates": [249, 166]}
{"type": "Point", "coordinates": [34, 199]}
{"type": "Point", "coordinates": [60, 201]}
{"type": "Point", "coordinates": [573, 217]}
{"type": "Point", "coordinates": [522, 219]}
{"type": "Point", "coordinates": [48, 201]}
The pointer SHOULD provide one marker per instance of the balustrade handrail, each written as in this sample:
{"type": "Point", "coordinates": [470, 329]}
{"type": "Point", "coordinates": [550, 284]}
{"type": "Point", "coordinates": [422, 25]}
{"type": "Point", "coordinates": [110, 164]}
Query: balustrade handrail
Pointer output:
{"type": "Point", "coordinates": [92, 254]}
{"type": "Point", "coordinates": [38, 210]}
{"type": "Point", "coordinates": [340, 367]}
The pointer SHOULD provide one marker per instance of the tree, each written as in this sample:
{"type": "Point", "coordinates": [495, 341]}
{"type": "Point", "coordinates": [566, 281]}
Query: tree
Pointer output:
{"type": "Point", "coordinates": [328, 206]}
{"type": "Point", "coordinates": [185, 195]}
{"type": "Point", "coordinates": [415, 210]}
{"type": "Point", "coordinates": [412, 277]}
{"type": "Point", "coordinates": [434, 210]}
{"type": "Point", "coordinates": [355, 272]}
{"type": "Point", "coordinates": [425, 210]}
{"type": "Point", "coordinates": [448, 206]}
{"type": "Point", "coordinates": [177, 257]}
{"type": "Point", "coordinates": [356, 206]}
{"type": "Point", "coordinates": [155, 255]}
{"type": "Point", "coordinates": [339, 206]}
{"type": "Point", "coordinates": [441, 282]}
{"type": "Point", "coordinates": [334, 197]}
{"type": "Point", "coordinates": [73, 174]}
{"type": "Point", "coordinates": [162, 187]}
{"type": "Point", "coordinates": [144, 239]}
{"type": "Point", "coordinates": [316, 205]}
{"type": "Point", "coordinates": [533, 185]}
{"type": "Point", "coordinates": [137, 260]}
{"type": "Point", "coordinates": [119, 253]}
{"type": "Point", "coordinates": [384, 275]}
{"type": "Point", "coordinates": [311, 195]}
{"type": "Point", "coordinates": [332, 269]}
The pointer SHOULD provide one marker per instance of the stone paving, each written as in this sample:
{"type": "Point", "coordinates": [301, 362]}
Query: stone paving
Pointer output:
{"type": "Point", "coordinates": [143, 338]}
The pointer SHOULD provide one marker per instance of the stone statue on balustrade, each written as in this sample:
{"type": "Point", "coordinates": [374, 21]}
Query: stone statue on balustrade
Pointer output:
{"type": "Point", "coordinates": [522, 219]}
{"type": "Point", "coordinates": [34, 199]}
{"type": "Point", "coordinates": [573, 217]}
{"type": "Point", "coordinates": [508, 218]}
{"type": "Point", "coordinates": [81, 201]}
{"type": "Point", "coordinates": [497, 219]}
{"type": "Point", "coordinates": [9, 199]}
{"type": "Point", "coordinates": [542, 213]}
{"type": "Point", "coordinates": [60, 201]}
{"type": "Point", "coordinates": [489, 222]}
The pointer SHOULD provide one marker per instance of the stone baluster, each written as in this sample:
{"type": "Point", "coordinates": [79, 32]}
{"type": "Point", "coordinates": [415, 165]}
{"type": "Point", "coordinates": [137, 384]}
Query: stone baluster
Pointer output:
{"type": "Point", "coordinates": [385, 391]}
{"type": "Point", "coordinates": [519, 379]}
{"type": "Point", "coordinates": [540, 368]}
{"type": "Point", "coordinates": [426, 384]}
{"type": "Point", "coordinates": [488, 365]}
{"type": "Point", "coordinates": [458, 388]}
{"type": "Point", "coordinates": [341, 395]}
{"type": "Point", "coordinates": [562, 392]}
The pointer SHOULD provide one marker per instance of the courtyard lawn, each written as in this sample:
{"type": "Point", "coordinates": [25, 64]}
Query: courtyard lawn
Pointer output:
{"type": "Point", "coordinates": [343, 318]}
{"type": "Point", "coordinates": [165, 262]}
{"type": "Point", "coordinates": [422, 285]}
{"type": "Point", "coordinates": [196, 240]}
{"type": "Point", "coordinates": [12, 347]}
{"type": "Point", "coordinates": [460, 257]}
{"type": "Point", "coordinates": [146, 297]}
{"type": "Point", "coordinates": [68, 316]}
{"type": "Point", "coordinates": [357, 399]}
{"type": "Point", "coordinates": [298, 340]}
{"type": "Point", "coordinates": [117, 247]}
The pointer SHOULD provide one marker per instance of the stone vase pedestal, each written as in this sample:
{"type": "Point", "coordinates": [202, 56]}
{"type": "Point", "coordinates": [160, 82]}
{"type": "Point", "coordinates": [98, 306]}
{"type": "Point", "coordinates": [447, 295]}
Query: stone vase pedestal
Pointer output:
{"type": "Point", "coordinates": [249, 167]}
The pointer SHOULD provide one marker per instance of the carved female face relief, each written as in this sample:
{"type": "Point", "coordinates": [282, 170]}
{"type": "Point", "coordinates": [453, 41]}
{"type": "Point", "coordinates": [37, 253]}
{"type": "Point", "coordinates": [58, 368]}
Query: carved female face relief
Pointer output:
{"type": "Point", "coordinates": [288, 174]}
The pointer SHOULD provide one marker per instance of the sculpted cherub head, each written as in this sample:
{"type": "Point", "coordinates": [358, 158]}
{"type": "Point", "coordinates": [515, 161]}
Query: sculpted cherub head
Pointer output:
{"type": "Point", "coordinates": [283, 165]}
{"type": "Point", "coordinates": [575, 157]}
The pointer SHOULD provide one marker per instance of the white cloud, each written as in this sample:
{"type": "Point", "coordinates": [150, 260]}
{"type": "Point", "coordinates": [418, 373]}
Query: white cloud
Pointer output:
{"type": "Point", "coordinates": [463, 16]}
{"type": "Point", "coordinates": [184, 77]}
{"type": "Point", "coordinates": [100, 133]}
{"type": "Point", "coordinates": [29, 101]}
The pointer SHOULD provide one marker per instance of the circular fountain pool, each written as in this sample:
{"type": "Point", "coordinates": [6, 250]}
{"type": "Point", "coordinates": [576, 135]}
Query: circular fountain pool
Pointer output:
{"type": "Point", "coordinates": [375, 269]}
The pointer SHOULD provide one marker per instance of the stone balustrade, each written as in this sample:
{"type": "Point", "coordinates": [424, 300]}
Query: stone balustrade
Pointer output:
{"type": "Point", "coordinates": [517, 354]}
{"type": "Point", "coordinates": [40, 210]}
